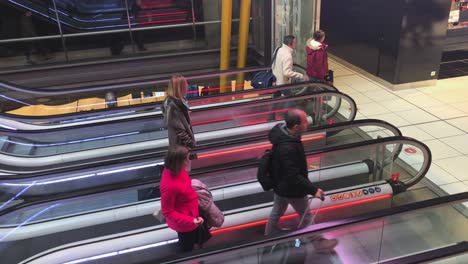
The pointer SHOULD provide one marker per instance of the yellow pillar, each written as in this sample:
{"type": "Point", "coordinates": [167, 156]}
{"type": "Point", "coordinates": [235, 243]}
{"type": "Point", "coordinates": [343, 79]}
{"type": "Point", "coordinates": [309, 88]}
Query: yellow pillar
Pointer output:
{"type": "Point", "coordinates": [243, 40]}
{"type": "Point", "coordinates": [226, 20]}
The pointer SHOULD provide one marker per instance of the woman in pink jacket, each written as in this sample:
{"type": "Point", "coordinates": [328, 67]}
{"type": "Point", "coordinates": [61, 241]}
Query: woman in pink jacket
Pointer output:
{"type": "Point", "coordinates": [179, 201]}
{"type": "Point", "coordinates": [317, 59]}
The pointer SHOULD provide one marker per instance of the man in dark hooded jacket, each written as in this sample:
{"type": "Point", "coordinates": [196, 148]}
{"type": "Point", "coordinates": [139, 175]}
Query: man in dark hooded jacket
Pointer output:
{"type": "Point", "coordinates": [290, 174]}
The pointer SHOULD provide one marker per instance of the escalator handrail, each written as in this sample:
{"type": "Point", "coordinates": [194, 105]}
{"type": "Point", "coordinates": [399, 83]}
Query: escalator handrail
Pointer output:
{"type": "Point", "coordinates": [276, 239]}
{"type": "Point", "coordinates": [398, 140]}
{"type": "Point", "coordinates": [9, 158]}
{"type": "Point", "coordinates": [319, 129]}
{"type": "Point", "coordinates": [194, 101]}
{"type": "Point", "coordinates": [353, 112]}
{"type": "Point", "coordinates": [124, 185]}
{"type": "Point", "coordinates": [122, 85]}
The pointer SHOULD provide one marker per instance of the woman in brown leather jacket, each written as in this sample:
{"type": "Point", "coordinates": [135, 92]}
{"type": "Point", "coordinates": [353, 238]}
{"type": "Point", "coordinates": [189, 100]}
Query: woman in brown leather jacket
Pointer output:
{"type": "Point", "coordinates": [176, 114]}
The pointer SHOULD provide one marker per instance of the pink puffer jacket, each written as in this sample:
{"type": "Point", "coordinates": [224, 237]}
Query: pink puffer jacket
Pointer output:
{"type": "Point", "coordinates": [207, 208]}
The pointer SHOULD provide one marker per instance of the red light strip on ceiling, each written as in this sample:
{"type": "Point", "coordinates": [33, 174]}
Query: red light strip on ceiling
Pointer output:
{"type": "Point", "coordinates": [333, 207]}
{"type": "Point", "coordinates": [252, 148]}
{"type": "Point", "coordinates": [238, 117]}
{"type": "Point", "coordinates": [164, 14]}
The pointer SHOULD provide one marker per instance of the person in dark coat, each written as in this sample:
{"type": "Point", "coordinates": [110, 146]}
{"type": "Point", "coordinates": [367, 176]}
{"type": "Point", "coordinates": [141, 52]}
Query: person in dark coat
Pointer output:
{"type": "Point", "coordinates": [28, 30]}
{"type": "Point", "coordinates": [317, 58]}
{"type": "Point", "coordinates": [290, 174]}
{"type": "Point", "coordinates": [136, 8]}
{"type": "Point", "coordinates": [176, 114]}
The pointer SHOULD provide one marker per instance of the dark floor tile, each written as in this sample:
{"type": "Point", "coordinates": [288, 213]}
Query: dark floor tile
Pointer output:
{"type": "Point", "coordinates": [454, 73]}
{"type": "Point", "coordinates": [443, 76]}
{"type": "Point", "coordinates": [447, 66]}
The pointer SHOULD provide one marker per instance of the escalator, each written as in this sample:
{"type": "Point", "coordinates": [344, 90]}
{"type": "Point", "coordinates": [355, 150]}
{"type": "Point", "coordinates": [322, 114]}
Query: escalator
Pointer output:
{"type": "Point", "coordinates": [56, 77]}
{"type": "Point", "coordinates": [217, 155]}
{"type": "Point", "coordinates": [81, 146]}
{"type": "Point", "coordinates": [73, 226]}
{"type": "Point", "coordinates": [29, 109]}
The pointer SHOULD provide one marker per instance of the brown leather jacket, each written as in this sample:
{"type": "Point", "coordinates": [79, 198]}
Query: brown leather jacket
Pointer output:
{"type": "Point", "coordinates": [177, 119]}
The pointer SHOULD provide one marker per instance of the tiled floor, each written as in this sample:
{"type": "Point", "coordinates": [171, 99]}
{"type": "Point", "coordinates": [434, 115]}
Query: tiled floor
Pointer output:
{"type": "Point", "coordinates": [436, 116]}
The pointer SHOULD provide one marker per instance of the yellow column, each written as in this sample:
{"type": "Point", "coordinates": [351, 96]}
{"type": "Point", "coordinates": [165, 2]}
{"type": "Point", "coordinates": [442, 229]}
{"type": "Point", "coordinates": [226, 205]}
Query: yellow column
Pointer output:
{"type": "Point", "coordinates": [243, 40]}
{"type": "Point", "coordinates": [226, 20]}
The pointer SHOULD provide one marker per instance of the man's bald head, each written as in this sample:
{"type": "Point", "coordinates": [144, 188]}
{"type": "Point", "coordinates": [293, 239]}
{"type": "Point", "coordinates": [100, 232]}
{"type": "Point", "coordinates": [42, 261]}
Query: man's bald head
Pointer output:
{"type": "Point", "coordinates": [296, 121]}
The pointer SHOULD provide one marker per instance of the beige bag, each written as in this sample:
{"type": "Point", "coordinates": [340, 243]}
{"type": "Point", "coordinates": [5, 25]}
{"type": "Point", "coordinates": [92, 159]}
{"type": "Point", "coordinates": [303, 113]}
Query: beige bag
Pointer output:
{"type": "Point", "coordinates": [158, 215]}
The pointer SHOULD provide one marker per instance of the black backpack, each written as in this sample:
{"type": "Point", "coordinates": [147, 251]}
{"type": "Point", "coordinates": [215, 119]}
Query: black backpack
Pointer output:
{"type": "Point", "coordinates": [264, 176]}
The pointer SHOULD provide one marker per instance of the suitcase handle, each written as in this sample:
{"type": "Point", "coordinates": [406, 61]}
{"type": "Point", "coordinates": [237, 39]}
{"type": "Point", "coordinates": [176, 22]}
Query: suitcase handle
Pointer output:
{"type": "Point", "coordinates": [322, 198]}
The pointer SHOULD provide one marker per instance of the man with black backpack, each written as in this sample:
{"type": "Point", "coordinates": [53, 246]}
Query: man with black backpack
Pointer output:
{"type": "Point", "coordinates": [290, 174]}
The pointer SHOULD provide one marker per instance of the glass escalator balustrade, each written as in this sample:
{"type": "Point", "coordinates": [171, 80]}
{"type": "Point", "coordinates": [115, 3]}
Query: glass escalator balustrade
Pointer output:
{"type": "Point", "coordinates": [378, 240]}
{"type": "Point", "coordinates": [355, 172]}
{"type": "Point", "coordinates": [221, 155]}
{"type": "Point", "coordinates": [359, 171]}
{"type": "Point", "coordinates": [124, 96]}
{"type": "Point", "coordinates": [239, 121]}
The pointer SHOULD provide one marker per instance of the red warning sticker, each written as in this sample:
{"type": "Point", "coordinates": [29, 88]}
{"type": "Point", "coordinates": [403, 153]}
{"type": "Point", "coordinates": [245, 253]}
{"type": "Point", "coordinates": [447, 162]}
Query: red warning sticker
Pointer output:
{"type": "Point", "coordinates": [410, 150]}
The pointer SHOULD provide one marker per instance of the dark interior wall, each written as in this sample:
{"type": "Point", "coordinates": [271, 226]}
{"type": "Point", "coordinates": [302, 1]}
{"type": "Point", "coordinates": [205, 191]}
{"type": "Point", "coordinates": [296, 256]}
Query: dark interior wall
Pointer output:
{"type": "Point", "coordinates": [375, 35]}
{"type": "Point", "coordinates": [352, 31]}
{"type": "Point", "coordinates": [389, 38]}
{"type": "Point", "coordinates": [424, 30]}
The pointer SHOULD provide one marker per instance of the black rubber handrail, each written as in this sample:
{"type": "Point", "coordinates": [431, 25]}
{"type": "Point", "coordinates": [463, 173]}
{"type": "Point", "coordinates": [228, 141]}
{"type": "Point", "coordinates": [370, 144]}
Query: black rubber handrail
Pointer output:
{"type": "Point", "coordinates": [275, 239]}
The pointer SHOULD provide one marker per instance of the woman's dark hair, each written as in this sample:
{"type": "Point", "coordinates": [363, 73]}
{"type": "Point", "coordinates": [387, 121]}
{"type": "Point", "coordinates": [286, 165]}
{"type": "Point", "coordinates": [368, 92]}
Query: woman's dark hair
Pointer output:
{"type": "Point", "coordinates": [293, 117]}
{"type": "Point", "coordinates": [319, 34]}
{"type": "Point", "coordinates": [288, 40]}
{"type": "Point", "coordinates": [175, 158]}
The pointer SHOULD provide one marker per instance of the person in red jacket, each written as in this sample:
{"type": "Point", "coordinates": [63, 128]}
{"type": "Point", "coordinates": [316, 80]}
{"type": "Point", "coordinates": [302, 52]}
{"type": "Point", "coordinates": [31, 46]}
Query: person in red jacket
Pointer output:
{"type": "Point", "coordinates": [317, 59]}
{"type": "Point", "coordinates": [179, 201]}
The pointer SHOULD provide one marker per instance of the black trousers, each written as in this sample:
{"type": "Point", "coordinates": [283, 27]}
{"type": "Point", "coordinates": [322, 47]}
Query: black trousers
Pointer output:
{"type": "Point", "coordinates": [187, 240]}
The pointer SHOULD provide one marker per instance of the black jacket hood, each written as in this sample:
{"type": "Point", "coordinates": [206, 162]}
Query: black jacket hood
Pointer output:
{"type": "Point", "coordinates": [279, 134]}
